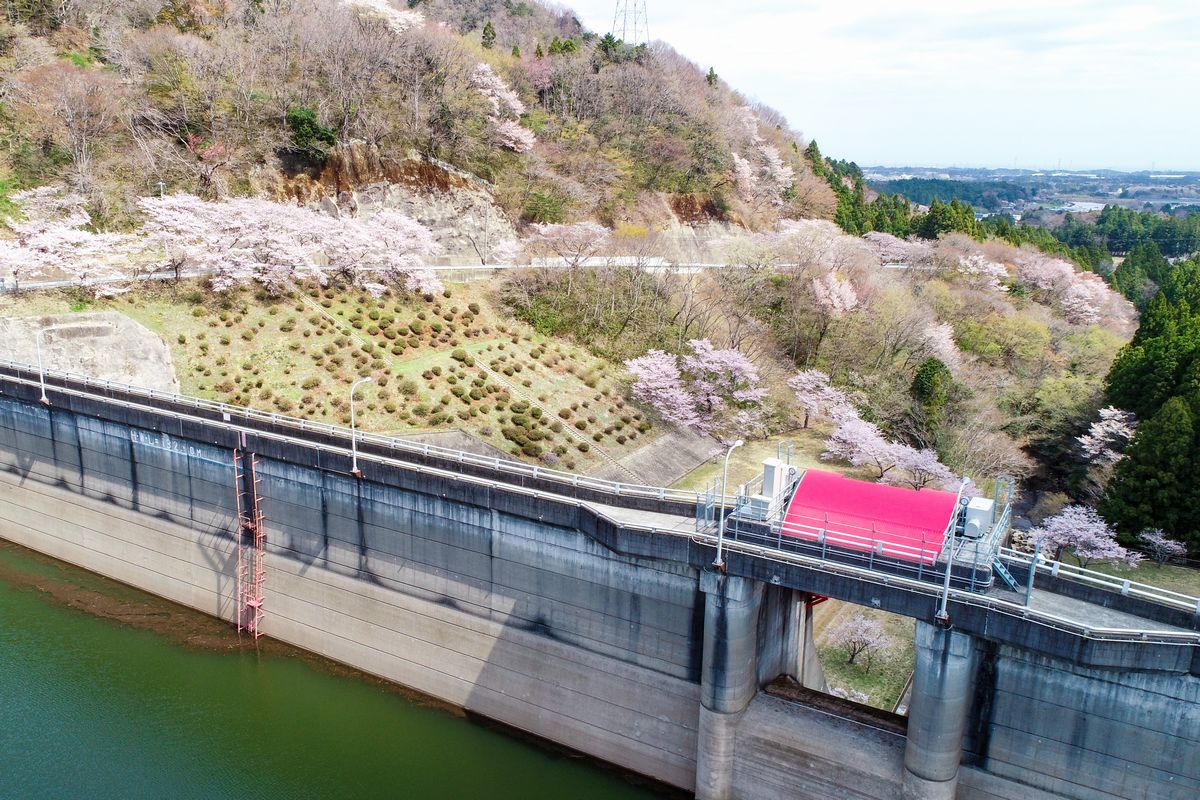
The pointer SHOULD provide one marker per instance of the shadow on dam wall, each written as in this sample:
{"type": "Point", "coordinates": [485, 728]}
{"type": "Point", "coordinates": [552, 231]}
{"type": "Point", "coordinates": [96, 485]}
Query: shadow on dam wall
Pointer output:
{"type": "Point", "coordinates": [522, 620]}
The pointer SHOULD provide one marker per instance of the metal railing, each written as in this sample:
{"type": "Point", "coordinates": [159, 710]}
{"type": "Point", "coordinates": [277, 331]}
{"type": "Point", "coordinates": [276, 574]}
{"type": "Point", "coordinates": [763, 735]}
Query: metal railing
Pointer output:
{"type": "Point", "coordinates": [1102, 580]}
{"type": "Point", "coordinates": [28, 374]}
{"type": "Point", "coordinates": [965, 597]}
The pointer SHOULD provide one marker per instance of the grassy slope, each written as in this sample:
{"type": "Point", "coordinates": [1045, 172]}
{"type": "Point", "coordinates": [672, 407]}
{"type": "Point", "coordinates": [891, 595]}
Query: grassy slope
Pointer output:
{"type": "Point", "coordinates": [883, 681]}
{"type": "Point", "coordinates": [264, 353]}
{"type": "Point", "coordinates": [745, 463]}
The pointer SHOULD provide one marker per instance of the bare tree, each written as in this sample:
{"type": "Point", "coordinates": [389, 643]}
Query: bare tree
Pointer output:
{"type": "Point", "coordinates": [74, 106]}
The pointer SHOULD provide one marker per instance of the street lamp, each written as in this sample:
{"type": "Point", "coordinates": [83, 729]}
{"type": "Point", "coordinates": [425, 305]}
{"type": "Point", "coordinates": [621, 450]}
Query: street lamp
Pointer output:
{"type": "Point", "coordinates": [943, 614]}
{"type": "Point", "coordinates": [353, 432]}
{"type": "Point", "coordinates": [1033, 563]}
{"type": "Point", "coordinates": [719, 561]}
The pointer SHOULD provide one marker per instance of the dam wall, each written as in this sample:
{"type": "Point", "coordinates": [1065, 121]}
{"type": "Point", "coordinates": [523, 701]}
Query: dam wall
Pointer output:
{"type": "Point", "coordinates": [520, 619]}
{"type": "Point", "coordinates": [546, 613]}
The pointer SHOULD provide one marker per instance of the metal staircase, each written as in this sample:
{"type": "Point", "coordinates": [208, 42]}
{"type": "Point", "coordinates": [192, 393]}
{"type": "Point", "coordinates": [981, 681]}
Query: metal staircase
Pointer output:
{"type": "Point", "coordinates": [1005, 575]}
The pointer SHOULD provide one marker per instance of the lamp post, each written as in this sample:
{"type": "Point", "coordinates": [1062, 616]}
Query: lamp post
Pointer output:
{"type": "Point", "coordinates": [719, 561]}
{"type": "Point", "coordinates": [1033, 563]}
{"type": "Point", "coordinates": [943, 614]}
{"type": "Point", "coordinates": [353, 430]}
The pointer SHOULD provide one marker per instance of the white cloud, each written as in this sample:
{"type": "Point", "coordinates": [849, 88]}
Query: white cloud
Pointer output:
{"type": "Point", "coordinates": [1084, 83]}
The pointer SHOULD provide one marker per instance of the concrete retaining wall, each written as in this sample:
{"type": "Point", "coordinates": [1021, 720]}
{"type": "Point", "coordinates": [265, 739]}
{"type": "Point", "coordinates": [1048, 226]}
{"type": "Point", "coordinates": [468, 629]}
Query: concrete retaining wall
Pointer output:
{"type": "Point", "coordinates": [530, 623]}
{"type": "Point", "coordinates": [1085, 733]}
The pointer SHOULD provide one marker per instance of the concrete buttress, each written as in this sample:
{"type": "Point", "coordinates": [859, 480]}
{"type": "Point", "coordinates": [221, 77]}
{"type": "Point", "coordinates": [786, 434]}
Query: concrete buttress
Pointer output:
{"type": "Point", "coordinates": [729, 677]}
{"type": "Point", "coordinates": [937, 716]}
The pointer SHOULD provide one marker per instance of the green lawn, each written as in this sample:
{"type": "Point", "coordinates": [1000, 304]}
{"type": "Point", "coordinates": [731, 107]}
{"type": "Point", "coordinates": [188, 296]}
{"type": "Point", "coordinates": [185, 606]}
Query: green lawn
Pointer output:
{"type": "Point", "coordinates": [745, 464]}
{"type": "Point", "coordinates": [884, 676]}
{"type": "Point", "coordinates": [1173, 577]}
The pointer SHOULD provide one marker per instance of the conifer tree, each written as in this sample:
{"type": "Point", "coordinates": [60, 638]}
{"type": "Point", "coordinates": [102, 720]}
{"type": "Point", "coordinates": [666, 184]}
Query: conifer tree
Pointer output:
{"type": "Point", "coordinates": [489, 36]}
{"type": "Point", "coordinates": [1151, 487]}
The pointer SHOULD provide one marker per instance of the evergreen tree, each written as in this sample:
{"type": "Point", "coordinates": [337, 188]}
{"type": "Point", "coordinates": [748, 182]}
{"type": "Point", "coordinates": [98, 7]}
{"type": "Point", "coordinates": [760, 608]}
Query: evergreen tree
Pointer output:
{"type": "Point", "coordinates": [1161, 362]}
{"type": "Point", "coordinates": [516, 51]}
{"type": "Point", "coordinates": [711, 77]}
{"type": "Point", "coordinates": [1154, 485]}
{"type": "Point", "coordinates": [489, 36]}
{"type": "Point", "coordinates": [539, 52]}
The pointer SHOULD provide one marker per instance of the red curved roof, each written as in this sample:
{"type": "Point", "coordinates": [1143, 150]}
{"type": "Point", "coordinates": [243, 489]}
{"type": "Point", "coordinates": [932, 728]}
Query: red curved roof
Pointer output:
{"type": "Point", "coordinates": [907, 523]}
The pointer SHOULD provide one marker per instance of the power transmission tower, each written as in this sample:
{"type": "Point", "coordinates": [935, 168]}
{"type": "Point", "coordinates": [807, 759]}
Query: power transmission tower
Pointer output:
{"type": "Point", "coordinates": [629, 22]}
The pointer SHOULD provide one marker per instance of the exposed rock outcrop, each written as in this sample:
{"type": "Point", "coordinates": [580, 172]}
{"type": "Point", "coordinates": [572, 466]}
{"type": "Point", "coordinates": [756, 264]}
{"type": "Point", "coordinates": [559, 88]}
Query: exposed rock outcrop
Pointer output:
{"type": "Point", "coordinates": [357, 180]}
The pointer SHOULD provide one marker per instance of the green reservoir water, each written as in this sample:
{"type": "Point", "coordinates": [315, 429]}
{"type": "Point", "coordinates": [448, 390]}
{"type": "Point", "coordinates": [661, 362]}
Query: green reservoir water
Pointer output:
{"type": "Point", "coordinates": [108, 693]}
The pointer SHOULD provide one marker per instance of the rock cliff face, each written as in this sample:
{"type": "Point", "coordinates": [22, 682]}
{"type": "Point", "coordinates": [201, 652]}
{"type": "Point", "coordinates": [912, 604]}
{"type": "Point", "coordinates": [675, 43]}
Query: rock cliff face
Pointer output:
{"type": "Point", "coordinates": [356, 180]}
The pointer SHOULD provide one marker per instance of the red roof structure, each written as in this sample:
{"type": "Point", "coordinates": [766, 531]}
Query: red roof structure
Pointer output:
{"type": "Point", "coordinates": [892, 521]}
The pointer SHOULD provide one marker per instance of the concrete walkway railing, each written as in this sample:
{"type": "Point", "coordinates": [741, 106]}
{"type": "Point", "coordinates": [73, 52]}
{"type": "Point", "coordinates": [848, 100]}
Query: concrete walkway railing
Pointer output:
{"type": "Point", "coordinates": [1102, 580]}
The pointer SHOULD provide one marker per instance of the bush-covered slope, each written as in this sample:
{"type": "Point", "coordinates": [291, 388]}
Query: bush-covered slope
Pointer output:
{"type": "Point", "coordinates": [206, 96]}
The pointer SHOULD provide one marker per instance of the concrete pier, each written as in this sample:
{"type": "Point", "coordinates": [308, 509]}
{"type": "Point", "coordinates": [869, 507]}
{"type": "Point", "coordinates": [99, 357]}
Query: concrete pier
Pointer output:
{"type": "Point", "coordinates": [937, 716]}
{"type": "Point", "coordinates": [729, 677]}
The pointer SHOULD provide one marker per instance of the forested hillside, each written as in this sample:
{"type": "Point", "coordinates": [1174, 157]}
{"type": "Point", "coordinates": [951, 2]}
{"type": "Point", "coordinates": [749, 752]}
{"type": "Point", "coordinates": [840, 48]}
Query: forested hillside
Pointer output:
{"type": "Point", "coordinates": [915, 345]}
{"type": "Point", "coordinates": [219, 98]}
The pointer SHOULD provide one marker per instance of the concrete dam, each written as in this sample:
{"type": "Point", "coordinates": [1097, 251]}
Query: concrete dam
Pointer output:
{"type": "Point", "coordinates": [588, 613]}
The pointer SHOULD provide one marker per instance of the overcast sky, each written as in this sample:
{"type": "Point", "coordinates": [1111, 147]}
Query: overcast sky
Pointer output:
{"type": "Point", "coordinates": [1080, 84]}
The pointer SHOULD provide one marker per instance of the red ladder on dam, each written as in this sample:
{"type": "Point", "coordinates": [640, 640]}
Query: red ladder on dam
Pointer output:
{"type": "Point", "coordinates": [251, 544]}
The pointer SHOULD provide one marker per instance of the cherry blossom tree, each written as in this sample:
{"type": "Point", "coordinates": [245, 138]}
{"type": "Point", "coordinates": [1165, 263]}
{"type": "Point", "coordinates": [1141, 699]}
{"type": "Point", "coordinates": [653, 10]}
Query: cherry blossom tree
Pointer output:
{"type": "Point", "coordinates": [762, 176]}
{"type": "Point", "coordinates": [506, 109]}
{"type": "Point", "coordinates": [721, 377]}
{"type": "Point", "coordinates": [1160, 548]}
{"type": "Point", "coordinates": [1080, 530]}
{"type": "Point", "coordinates": [894, 250]}
{"type": "Point", "coordinates": [250, 239]}
{"type": "Point", "coordinates": [862, 444]}
{"type": "Point", "coordinates": [388, 247]}
{"type": "Point", "coordinates": [816, 396]}
{"type": "Point", "coordinates": [1106, 439]}
{"type": "Point", "coordinates": [510, 134]}
{"type": "Point", "coordinates": [709, 389]}
{"type": "Point", "coordinates": [1081, 297]}
{"type": "Point", "coordinates": [939, 342]}
{"type": "Point", "coordinates": [980, 271]}
{"type": "Point", "coordinates": [51, 238]}
{"type": "Point", "coordinates": [659, 384]}
{"type": "Point", "coordinates": [858, 635]}
{"type": "Point", "coordinates": [836, 296]}
{"type": "Point", "coordinates": [919, 468]}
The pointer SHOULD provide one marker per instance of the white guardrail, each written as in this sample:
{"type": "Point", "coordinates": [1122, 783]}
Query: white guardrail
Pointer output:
{"type": "Point", "coordinates": [504, 466]}
{"type": "Point", "coordinates": [1091, 577]}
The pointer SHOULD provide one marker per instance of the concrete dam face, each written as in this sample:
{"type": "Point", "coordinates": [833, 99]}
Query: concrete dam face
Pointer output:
{"type": "Point", "coordinates": [550, 614]}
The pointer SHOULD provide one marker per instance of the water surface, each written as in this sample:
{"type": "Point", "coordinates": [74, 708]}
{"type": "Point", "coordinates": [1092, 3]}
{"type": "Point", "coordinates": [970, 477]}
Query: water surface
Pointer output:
{"type": "Point", "coordinates": [106, 692]}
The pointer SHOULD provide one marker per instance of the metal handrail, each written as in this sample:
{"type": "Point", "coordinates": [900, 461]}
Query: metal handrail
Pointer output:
{"type": "Point", "coordinates": [1060, 569]}
{"type": "Point", "coordinates": [617, 488]}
